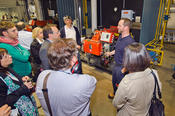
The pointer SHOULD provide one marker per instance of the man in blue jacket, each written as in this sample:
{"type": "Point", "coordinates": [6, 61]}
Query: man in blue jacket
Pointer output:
{"type": "Point", "coordinates": [124, 40]}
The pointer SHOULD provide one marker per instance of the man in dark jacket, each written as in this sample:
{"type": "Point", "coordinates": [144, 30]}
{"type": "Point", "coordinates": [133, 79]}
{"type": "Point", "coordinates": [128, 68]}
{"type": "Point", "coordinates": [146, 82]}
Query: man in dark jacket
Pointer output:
{"type": "Point", "coordinates": [124, 40]}
{"type": "Point", "coordinates": [51, 34]}
{"type": "Point", "coordinates": [70, 31]}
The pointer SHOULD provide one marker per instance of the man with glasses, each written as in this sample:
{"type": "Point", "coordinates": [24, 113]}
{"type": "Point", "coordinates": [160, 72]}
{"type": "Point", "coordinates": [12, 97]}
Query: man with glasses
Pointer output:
{"type": "Point", "coordinates": [50, 33]}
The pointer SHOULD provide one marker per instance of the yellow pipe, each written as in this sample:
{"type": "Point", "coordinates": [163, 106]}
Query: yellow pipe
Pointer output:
{"type": "Point", "coordinates": [158, 19]}
{"type": "Point", "coordinates": [165, 23]}
{"type": "Point", "coordinates": [86, 17]}
{"type": "Point", "coordinates": [156, 44]}
{"type": "Point", "coordinates": [151, 42]}
{"type": "Point", "coordinates": [161, 59]}
{"type": "Point", "coordinates": [164, 13]}
{"type": "Point", "coordinates": [161, 20]}
{"type": "Point", "coordinates": [158, 24]}
{"type": "Point", "coordinates": [84, 22]}
{"type": "Point", "coordinates": [160, 53]}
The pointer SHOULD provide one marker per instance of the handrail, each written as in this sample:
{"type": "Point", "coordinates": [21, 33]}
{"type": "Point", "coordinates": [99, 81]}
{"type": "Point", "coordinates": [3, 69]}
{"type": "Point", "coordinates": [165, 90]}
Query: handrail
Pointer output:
{"type": "Point", "coordinates": [156, 44]}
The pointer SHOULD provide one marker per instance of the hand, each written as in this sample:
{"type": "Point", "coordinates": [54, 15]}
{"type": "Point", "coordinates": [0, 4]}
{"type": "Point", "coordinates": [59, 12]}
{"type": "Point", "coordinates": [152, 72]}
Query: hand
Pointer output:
{"type": "Point", "coordinates": [25, 78]}
{"type": "Point", "coordinates": [123, 70]}
{"type": "Point", "coordinates": [78, 46]}
{"type": "Point", "coordinates": [108, 54]}
{"type": "Point", "coordinates": [28, 84]}
{"type": "Point", "coordinates": [5, 110]}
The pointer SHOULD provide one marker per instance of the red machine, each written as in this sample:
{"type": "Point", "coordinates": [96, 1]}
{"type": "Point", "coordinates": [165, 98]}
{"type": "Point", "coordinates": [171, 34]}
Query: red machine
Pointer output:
{"type": "Point", "coordinates": [37, 23]}
{"type": "Point", "coordinates": [95, 45]}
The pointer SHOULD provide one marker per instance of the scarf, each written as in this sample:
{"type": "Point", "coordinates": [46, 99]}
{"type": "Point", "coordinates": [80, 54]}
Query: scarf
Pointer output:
{"type": "Point", "coordinates": [13, 42]}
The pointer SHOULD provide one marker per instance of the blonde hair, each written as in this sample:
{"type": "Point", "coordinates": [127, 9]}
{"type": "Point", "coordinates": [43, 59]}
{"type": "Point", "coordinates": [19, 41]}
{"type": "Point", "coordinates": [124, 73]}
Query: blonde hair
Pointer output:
{"type": "Point", "coordinates": [35, 32]}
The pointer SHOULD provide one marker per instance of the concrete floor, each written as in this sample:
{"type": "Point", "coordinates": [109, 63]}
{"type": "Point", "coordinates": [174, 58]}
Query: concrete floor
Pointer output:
{"type": "Point", "coordinates": [102, 106]}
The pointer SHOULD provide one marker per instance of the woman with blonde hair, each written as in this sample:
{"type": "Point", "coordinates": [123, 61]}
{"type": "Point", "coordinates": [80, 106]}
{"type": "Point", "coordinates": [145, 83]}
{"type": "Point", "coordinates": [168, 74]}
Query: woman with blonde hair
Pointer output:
{"type": "Point", "coordinates": [37, 35]}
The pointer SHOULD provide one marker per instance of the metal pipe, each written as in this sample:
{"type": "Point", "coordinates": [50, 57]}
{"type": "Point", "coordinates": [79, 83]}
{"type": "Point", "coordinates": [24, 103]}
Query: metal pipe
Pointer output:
{"type": "Point", "coordinates": [123, 4]}
{"type": "Point", "coordinates": [38, 9]}
{"type": "Point", "coordinates": [80, 19]}
{"type": "Point", "coordinates": [158, 20]}
{"type": "Point", "coordinates": [50, 4]}
{"type": "Point", "coordinates": [101, 19]}
{"type": "Point", "coordinates": [85, 13]}
{"type": "Point", "coordinates": [77, 8]}
{"type": "Point", "coordinates": [94, 14]}
{"type": "Point", "coordinates": [165, 22]}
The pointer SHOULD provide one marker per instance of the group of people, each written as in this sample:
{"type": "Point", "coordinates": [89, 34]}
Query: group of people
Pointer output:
{"type": "Point", "coordinates": [55, 60]}
{"type": "Point", "coordinates": [15, 62]}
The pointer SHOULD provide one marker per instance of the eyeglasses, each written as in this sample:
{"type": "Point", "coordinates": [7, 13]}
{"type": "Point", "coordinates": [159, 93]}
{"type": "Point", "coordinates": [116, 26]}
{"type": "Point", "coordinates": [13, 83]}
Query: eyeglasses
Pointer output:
{"type": "Point", "coordinates": [56, 32]}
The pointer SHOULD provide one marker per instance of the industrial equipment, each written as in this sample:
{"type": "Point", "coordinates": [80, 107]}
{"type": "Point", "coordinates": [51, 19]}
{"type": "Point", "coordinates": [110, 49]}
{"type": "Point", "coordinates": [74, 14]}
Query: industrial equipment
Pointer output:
{"type": "Point", "coordinates": [127, 14]}
{"type": "Point", "coordinates": [93, 49]}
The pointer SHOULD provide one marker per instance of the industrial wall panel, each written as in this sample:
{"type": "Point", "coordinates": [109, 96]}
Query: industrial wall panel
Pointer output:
{"type": "Point", "coordinates": [135, 5]}
{"type": "Point", "coordinates": [89, 13]}
{"type": "Point", "coordinates": [149, 20]}
{"type": "Point", "coordinates": [65, 7]}
{"type": "Point", "coordinates": [106, 14]}
{"type": "Point", "coordinates": [48, 4]}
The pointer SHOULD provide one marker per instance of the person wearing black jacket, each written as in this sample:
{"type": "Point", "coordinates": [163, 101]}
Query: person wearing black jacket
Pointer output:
{"type": "Point", "coordinates": [70, 31]}
{"type": "Point", "coordinates": [15, 91]}
{"type": "Point", "coordinates": [37, 35]}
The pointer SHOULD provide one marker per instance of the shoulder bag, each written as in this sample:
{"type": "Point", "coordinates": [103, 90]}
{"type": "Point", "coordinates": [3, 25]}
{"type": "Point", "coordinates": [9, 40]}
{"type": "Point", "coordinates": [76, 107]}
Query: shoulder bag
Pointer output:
{"type": "Point", "coordinates": [157, 107]}
{"type": "Point", "coordinates": [45, 93]}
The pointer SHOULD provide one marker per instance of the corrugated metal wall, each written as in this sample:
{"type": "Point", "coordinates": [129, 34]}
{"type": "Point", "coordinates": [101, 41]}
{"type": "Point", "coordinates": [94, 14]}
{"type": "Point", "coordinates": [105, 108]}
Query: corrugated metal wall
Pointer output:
{"type": "Point", "coordinates": [149, 20]}
{"type": "Point", "coordinates": [65, 7]}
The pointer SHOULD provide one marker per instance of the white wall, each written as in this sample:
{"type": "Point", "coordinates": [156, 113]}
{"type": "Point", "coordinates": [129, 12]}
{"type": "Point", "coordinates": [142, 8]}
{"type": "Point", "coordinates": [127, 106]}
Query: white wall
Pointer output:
{"type": "Point", "coordinates": [94, 14]}
{"type": "Point", "coordinates": [171, 20]}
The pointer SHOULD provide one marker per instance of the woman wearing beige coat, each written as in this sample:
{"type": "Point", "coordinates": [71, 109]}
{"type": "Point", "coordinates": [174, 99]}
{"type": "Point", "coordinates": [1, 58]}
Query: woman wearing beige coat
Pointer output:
{"type": "Point", "coordinates": [135, 91]}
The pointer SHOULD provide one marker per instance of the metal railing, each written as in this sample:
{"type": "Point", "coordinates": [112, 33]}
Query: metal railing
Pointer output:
{"type": "Point", "coordinates": [155, 47]}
